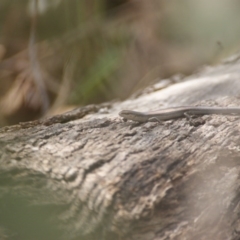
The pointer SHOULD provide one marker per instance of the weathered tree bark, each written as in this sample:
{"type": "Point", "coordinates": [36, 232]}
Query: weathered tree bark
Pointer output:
{"type": "Point", "coordinates": [98, 177]}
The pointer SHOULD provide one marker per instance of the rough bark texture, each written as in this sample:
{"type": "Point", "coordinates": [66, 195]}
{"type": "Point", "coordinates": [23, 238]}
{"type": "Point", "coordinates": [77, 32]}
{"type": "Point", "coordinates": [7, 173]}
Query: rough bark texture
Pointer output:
{"type": "Point", "coordinates": [99, 177]}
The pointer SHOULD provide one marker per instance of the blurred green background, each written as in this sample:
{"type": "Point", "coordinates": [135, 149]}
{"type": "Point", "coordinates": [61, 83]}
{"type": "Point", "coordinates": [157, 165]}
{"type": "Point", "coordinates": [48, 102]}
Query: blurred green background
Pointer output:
{"type": "Point", "coordinates": [56, 55]}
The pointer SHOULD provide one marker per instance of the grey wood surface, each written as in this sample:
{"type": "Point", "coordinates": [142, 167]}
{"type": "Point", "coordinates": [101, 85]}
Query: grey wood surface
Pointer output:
{"type": "Point", "coordinates": [94, 176]}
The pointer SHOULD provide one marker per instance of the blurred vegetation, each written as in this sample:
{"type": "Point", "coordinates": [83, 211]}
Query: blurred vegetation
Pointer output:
{"type": "Point", "coordinates": [57, 54]}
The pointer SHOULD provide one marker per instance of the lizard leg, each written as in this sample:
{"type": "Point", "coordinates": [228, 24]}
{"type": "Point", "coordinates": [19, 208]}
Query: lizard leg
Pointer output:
{"type": "Point", "coordinates": [155, 119]}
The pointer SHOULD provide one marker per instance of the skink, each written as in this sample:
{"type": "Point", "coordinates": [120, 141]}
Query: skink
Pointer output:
{"type": "Point", "coordinates": [177, 112]}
